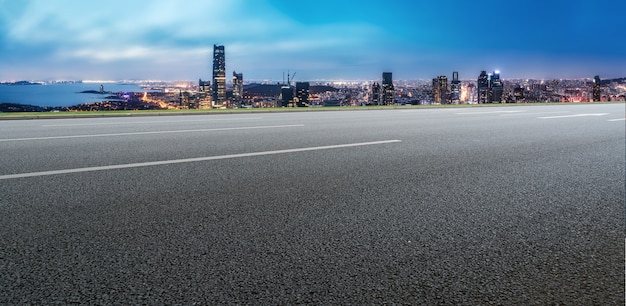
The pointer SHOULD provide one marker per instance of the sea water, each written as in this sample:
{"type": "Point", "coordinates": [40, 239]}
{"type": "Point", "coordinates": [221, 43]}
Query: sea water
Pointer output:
{"type": "Point", "coordinates": [61, 94]}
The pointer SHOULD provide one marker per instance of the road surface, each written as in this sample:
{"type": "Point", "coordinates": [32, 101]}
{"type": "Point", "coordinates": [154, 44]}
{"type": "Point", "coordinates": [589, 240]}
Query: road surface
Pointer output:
{"type": "Point", "coordinates": [494, 205]}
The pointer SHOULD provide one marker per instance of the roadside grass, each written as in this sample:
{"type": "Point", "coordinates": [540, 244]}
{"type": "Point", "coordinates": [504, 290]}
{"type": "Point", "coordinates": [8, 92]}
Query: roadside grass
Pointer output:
{"type": "Point", "coordinates": [130, 113]}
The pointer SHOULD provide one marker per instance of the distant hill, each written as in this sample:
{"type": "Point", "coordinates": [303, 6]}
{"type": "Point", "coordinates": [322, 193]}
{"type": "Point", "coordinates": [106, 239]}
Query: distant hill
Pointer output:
{"type": "Point", "coordinates": [273, 90]}
{"type": "Point", "coordinates": [14, 107]}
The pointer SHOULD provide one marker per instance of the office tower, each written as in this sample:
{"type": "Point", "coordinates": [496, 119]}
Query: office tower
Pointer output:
{"type": "Point", "coordinates": [496, 87]}
{"type": "Point", "coordinates": [219, 75]}
{"type": "Point", "coordinates": [375, 99]}
{"type": "Point", "coordinates": [388, 90]}
{"type": "Point", "coordinates": [302, 94]}
{"type": "Point", "coordinates": [455, 88]}
{"type": "Point", "coordinates": [440, 89]}
{"type": "Point", "coordinates": [237, 87]}
{"type": "Point", "coordinates": [483, 87]}
{"type": "Point", "coordinates": [596, 92]}
{"type": "Point", "coordinates": [286, 94]}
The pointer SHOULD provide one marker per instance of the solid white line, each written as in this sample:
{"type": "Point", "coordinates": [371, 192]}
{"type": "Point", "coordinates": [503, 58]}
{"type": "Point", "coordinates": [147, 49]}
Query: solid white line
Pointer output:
{"type": "Point", "coordinates": [576, 115]}
{"type": "Point", "coordinates": [621, 119]}
{"type": "Point", "coordinates": [147, 122]}
{"type": "Point", "coordinates": [189, 160]}
{"type": "Point", "coordinates": [155, 132]}
{"type": "Point", "coordinates": [491, 112]}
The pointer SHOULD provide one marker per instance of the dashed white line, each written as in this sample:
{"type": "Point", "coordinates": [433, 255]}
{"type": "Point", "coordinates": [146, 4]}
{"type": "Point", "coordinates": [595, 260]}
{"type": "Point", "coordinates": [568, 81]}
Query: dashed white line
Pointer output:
{"type": "Point", "coordinates": [491, 112]}
{"type": "Point", "coordinates": [620, 119]}
{"type": "Point", "coordinates": [153, 132]}
{"type": "Point", "coordinates": [573, 116]}
{"type": "Point", "coordinates": [189, 160]}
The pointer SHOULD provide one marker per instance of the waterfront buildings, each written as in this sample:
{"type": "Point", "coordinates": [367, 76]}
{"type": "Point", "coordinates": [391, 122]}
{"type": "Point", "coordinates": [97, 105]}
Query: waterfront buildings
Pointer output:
{"type": "Point", "coordinates": [219, 76]}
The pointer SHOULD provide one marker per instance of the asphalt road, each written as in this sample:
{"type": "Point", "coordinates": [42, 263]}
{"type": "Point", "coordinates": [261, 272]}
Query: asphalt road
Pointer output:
{"type": "Point", "coordinates": [499, 205]}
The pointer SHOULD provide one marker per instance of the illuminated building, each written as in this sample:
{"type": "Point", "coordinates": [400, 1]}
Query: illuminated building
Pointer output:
{"type": "Point", "coordinates": [455, 88]}
{"type": "Point", "coordinates": [440, 89]}
{"type": "Point", "coordinates": [302, 94]}
{"type": "Point", "coordinates": [388, 89]}
{"type": "Point", "coordinates": [483, 87]}
{"type": "Point", "coordinates": [219, 76]}
{"type": "Point", "coordinates": [496, 88]}
{"type": "Point", "coordinates": [596, 92]}
{"type": "Point", "coordinates": [375, 98]}
{"type": "Point", "coordinates": [237, 87]}
{"type": "Point", "coordinates": [204, 85]}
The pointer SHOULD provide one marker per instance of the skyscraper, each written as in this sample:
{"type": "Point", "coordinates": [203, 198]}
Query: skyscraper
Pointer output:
{"type": "Point", "coordinates": [483, 87]}
{"type": "Point", "coordinates": [302, 94]}
{"type": "Point", "coordinates": [219, 75]}
{"type": "Point", "coordinates": [496, 87]}
{"type": "Point", "coordinates": [596, 92]}
{"type": "Point", "coordinates": [455, 88]}
{"type": "Point", "coordinates": [237, 88]}
{"type": "Point", "coordinates": [375, 98]}
{"type": "Point", "coordinates": [388, 89]}
{"type": "Point", "coordinates": [440, 89]}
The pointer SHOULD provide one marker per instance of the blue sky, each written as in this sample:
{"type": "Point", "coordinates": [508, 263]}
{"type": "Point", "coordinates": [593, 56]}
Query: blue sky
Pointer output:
{"type": "Point", "coordinates": [338, 40]}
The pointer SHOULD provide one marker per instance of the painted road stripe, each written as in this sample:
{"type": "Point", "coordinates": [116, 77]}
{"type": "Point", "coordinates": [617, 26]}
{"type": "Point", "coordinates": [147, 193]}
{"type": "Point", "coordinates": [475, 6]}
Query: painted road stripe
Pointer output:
{"type": "Point", "coordinates": [148, 122]}
{"type": "Point", "coordinates": [190, 160]}
{"type": "Point", "coordinates": [621, 119]}
{"type": "Point", "coordinates": [491, 112]}
{"type": "Point", "coordinates": [155, 132]}
{"type": "Point", "coordinates": [576, 115]}
{"type": "Point", "coordinates": [533, 114]}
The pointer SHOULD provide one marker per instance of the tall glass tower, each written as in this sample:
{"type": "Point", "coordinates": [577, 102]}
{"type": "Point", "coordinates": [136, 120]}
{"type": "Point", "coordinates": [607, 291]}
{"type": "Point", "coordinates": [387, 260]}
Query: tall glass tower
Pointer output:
{"type": "Point", "coordinates": [483, 87]}
{"type": "Point", "coordinates": [219, 76]}
{"type": "Point", "coordinates": [388, 89]}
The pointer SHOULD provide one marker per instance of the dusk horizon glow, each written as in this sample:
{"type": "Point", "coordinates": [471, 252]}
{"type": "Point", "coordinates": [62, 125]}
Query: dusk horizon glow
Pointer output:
{"type": "Point", "coordinates": [321, 40]}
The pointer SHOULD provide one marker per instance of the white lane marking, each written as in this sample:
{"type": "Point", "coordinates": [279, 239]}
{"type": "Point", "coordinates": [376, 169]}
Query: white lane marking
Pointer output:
{"type": "Point", "coordinates": [621, 119]}
{"type": "Point", "coordinates": [491, 112]}
{"type": "Point", "coordinates": [532, 114]}
{"type": "Point", "coordinates": [155, 132]}
{"type": "Point", "coordinates": [148, 122]}
{"type": "Point", "coordinates": [189, 160]}
{"type": "Point", "coordinates": [576, 115]}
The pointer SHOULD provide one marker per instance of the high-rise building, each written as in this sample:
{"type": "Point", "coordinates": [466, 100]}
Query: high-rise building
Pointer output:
{"type": "Point", "coordinates": [237, 88]}
{"type": "Point", "coordinates": [219, 76]}
{"type": "Point", "coordinates": [375, 98]}
{"type": "Point", "coordinates": [440, 89]}
{"type": "Point", "coordinates": [496, 88]}
{"type": "Point", "coordinates": [596, 92]}
{"type": "Point", "coordinates": [455, 88]}
{"type": "Point", "coordinates": [483, 87]}
{"type": "Point", "coordinates": [388, 89]}
{"type": "Point", "coordinates": [302, 94]}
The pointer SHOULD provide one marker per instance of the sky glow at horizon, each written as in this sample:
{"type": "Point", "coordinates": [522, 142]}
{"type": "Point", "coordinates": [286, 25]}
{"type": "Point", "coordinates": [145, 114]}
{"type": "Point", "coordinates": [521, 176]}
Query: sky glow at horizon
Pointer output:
{"type": "Point", "coordinates": [331, 40]}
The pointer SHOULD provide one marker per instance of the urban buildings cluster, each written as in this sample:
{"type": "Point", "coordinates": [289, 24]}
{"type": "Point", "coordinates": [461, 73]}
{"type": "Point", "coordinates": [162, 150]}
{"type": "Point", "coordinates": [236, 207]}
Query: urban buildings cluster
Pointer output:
{"type": "Point", "coordinates": [486, 88]}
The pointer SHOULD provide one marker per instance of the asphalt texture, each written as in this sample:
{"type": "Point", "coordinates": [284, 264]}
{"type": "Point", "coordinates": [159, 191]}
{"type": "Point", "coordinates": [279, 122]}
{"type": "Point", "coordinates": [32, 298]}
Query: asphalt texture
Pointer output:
{"type": "Point", "coordinates": [518, 205]}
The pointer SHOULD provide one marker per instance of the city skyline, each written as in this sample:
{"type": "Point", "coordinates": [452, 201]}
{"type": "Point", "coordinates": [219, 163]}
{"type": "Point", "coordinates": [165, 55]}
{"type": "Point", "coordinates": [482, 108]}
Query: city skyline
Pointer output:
{"type": "Point", "coordinates": [321, 41]}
